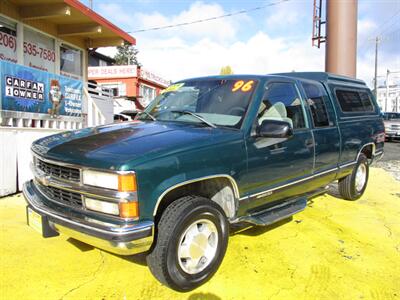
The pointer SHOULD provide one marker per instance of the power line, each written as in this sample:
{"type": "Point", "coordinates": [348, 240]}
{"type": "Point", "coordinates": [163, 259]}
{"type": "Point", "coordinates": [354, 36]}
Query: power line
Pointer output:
{"type": "Point", "coordinates": [210, 19]}
{"type": "Point", "coordinates": [379, 31]}
{"type": "Point", "coordinates": [388, 21]}
{"type": "Point", "coordinates": [387, 33]}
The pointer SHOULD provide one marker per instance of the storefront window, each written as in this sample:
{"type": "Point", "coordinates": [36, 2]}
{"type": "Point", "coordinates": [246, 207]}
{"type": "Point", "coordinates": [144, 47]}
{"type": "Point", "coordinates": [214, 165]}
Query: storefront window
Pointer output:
{"type": "Point", "coordinates": [117, 89]}
{"type": "Point", "coordinates": [147, 94]}
{"type": "Point", "coordinates": [71, 62]}
{"type": "Point", "coordinates": [8, 40]}
{"type": "Point", "coordinates": [39, 51]}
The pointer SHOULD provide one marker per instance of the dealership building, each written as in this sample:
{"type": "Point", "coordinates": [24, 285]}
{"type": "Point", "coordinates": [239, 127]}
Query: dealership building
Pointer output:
{"type": "Point", "coordinates": [44, 87]}
{"type": "Point", "coordinates": [133, 87]}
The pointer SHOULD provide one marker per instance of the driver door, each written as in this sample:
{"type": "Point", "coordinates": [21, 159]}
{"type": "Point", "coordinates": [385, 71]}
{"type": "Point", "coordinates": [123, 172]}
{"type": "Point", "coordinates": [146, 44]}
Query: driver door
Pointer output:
{"type": "Point", "coordinates": [274, 164]}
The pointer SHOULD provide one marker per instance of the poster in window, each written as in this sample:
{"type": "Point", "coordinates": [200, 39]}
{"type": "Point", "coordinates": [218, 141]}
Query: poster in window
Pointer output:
{"type": "Point", "coordinates": [39, 51]}
{"type": "Point", "coordinates": [25, 89]}
{"type": "Point", "coordinates": [70, 62]}
{"type": "Point", "coordinates": [8, 41]}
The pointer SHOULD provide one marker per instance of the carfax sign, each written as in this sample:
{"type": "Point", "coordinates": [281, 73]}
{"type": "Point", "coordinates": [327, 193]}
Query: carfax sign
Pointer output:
{"type": "Point", "coordinates": [25, 89]}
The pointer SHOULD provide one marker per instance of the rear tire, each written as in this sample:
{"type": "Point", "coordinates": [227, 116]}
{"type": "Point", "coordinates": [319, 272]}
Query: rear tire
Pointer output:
{"type": "Point", "coordinates": [352, 186]}
{"type": "Point", "coordinates": [192, 237]}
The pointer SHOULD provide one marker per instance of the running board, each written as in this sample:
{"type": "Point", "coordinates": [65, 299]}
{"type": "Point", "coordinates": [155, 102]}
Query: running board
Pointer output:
{"type": "Point", "coordinates": [276, 213]}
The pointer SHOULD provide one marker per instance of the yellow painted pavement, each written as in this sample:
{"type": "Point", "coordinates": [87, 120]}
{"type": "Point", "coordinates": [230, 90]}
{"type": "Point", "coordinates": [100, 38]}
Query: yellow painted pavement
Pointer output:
{"type": "Point", "coordinates": [335, 249]}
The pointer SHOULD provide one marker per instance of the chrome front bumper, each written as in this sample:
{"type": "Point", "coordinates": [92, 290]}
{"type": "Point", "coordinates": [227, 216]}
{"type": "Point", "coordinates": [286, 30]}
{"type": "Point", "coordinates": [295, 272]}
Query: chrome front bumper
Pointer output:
{"type": "Point", "coordinates": [392, 134]}
{"type": "Point", "coordinates": [127, 239]}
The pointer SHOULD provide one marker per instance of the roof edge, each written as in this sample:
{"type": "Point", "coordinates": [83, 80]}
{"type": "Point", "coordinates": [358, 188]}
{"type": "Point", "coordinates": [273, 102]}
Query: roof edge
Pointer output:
{"type": "Point", "coordinates": [101, 20]}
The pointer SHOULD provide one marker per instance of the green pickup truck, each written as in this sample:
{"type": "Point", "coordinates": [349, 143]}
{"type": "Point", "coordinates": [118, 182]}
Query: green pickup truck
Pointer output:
{"type": "Point", "coordinates": [206, 153]}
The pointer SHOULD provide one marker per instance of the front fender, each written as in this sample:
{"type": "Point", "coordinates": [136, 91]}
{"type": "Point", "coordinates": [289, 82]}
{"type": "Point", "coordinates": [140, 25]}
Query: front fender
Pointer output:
{"type": "Point", "coordinates": [158, 176]}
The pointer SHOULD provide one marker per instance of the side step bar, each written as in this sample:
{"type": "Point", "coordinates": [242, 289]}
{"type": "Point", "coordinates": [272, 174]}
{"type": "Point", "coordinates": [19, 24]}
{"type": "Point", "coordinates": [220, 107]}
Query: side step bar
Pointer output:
{"type": "Point", "coordinates": [276, 213]}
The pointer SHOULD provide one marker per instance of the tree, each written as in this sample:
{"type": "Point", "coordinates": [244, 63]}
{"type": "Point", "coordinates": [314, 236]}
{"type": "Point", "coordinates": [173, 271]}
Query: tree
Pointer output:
{"type": "Point", "coordinates": [126, 55]}
{"type": "Point", "coordinates": [227, 70]}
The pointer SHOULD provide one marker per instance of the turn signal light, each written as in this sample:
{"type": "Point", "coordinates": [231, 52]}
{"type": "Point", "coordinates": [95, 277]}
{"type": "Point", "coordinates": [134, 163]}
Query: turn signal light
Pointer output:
{"type": "Point", "coordinates": [129, 209]}
{"type": "Point", "coordinates": [127, 183]}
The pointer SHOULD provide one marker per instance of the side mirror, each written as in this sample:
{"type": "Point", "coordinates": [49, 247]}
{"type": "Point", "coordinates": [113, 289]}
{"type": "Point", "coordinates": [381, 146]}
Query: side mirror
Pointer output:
{"type": "Point", "coordinates": [275, 129]}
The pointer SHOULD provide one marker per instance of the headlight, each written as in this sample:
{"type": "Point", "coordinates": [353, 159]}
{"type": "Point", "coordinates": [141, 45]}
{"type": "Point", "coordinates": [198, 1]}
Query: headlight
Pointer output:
{"type": "Point", "coordinates": [122, 209]}
{"type": "Point", "coordinates": [113, 181]}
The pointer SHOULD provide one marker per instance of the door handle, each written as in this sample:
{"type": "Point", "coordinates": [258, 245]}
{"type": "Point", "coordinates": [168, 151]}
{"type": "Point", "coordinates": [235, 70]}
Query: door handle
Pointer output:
{"type": "Point", "coordinates": [309, 143]}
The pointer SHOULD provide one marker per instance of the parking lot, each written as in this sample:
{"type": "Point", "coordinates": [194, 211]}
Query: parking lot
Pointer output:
{"type": "Point", "coordinates": [391, 160]}
{"type": "Point", "coordinates": [334, 249]}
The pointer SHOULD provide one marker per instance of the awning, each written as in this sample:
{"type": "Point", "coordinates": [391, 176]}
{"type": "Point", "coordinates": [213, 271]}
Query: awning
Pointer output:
{"type": "Point", "coordinates": [72, 20]}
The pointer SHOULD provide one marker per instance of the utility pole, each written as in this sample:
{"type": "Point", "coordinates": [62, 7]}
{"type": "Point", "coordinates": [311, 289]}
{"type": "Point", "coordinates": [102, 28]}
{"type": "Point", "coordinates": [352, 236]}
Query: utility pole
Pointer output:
{"type": "Point", "coordinates": [91, 4]}
{"type": "Point", "coordinates": [387, 89]}
{"type": "Point", "coordinates": [341, 37]}
{"type": "Point", "coordinates": [377, 40]}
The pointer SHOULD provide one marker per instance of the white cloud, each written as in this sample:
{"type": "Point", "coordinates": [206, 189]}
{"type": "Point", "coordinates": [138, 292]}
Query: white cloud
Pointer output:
{"type": "Point", "coordinates": [366, 67]}
{"type": "Point", "coordinates": [116, 12]}
{"type": "Point", "coordinates": [387, 59]}
{"type": "Point", "coordinates": [282, 15]}
{"type": "Point", "coordinates": [202, 49]}
{"type": "Point", "coordinates": [224, 29]}
{"type": "Point", "coordinates": [260, 54]}
{"type": "Point", "coordinates": [109, 51]}
{"type": "Point", "coordinates": [365, 30]}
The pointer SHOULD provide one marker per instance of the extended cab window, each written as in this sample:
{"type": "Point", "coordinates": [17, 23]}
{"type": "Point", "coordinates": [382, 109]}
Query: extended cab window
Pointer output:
{"type": "Point", "coordinates": [354, 101]}
{"type": "Point", "coordinates": [315, 98]}
{"type": "Point", "coordinates": [281, 101]}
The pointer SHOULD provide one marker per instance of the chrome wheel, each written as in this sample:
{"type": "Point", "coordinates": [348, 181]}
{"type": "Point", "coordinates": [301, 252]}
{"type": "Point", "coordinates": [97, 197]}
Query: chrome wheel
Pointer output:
{"type": "Point", "coordinates": [197, 246]}
{"type": "Point", "coordinates": [361, 177]}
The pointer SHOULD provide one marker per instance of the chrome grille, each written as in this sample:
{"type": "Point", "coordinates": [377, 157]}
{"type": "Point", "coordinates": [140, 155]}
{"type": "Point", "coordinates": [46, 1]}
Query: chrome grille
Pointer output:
{"type": "Point", "coordinates": [62, 196]}
{"type": "Point", "coordinates": [395, 126]}
{"type": "Point", "coordinates": [57, 171]}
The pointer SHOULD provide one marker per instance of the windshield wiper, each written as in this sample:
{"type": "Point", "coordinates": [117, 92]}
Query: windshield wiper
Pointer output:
{"type": "Point", "coordinates": [147, 114]}
{"type": "Point", "coordinates": [187, 112]}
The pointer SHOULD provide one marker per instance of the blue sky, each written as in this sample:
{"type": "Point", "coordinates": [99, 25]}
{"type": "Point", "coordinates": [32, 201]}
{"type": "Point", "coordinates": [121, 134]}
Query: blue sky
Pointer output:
{"type": "Point", "coordinates": [274, 39]}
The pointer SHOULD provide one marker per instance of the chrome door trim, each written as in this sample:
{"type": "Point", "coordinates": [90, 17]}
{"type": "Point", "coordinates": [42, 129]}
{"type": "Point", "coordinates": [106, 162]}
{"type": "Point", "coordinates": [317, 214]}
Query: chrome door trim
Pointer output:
{"type": "Point", "coordinates": [270, 191]}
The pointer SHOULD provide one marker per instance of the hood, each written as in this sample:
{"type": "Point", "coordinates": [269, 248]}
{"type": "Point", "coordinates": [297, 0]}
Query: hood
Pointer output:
{"type": "Point", "coordinates": [113, 146]}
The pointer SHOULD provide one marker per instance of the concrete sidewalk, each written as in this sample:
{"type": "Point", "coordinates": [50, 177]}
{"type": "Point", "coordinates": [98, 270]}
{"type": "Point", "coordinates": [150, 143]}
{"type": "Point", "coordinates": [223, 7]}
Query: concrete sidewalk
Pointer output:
{"type": "Point", "coordinates": [335, 249]}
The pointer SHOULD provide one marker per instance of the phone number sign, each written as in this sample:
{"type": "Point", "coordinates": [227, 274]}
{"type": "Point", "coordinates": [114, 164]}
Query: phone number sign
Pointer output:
{"type": "Point", "coordinates": [8, 47]}
{"type": "Point", "coordinates": [39, 51]}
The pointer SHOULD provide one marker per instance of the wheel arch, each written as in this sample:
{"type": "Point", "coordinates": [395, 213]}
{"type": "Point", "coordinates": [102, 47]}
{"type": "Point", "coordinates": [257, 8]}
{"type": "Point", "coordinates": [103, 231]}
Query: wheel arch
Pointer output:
{"type": "Point", "coordinates": [368, 150]}
{"type": "Point", "coordinates": [221, 189]}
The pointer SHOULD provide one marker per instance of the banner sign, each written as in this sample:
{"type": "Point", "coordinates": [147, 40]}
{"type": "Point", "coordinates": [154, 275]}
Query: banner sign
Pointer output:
{"type": "Point", "coordinates": [25, 89]}
{"type": "Point", "coordinates": [147, 75]}
{"type": "Point", "coordinates": [112, 72]}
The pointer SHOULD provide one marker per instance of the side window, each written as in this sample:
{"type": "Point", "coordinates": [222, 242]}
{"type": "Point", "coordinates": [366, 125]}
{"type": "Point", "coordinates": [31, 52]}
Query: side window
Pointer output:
{"type": "Point", "coordinates": [281, 101]}
{"type": "Point", "coordinates": [366, 101]}
{"type": "Point", "coordinates": [354, 101]}
{"type": "Point", "coordinates": [315, 98]}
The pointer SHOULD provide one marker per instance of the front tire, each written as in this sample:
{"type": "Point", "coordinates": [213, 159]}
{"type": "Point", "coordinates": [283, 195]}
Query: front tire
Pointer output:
{"type": "Point", "coordinates": [192, 237]}
{"type": "Point", "coordinates": [352, 186]}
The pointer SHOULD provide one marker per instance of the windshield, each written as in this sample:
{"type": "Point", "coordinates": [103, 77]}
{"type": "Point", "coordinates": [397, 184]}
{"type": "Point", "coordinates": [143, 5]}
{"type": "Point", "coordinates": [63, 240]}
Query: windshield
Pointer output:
{"type": "Point", "coordinates": [392, 116]}
{"type": "Point", "coordinates": [207, 101]}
